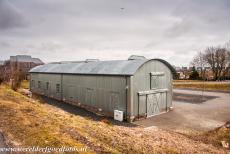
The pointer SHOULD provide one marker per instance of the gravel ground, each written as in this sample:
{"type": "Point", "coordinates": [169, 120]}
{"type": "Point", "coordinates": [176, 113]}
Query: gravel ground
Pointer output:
{"type": "Point", "coordinates": [190, 98]}
{"type": "Point", "coordinates": [205, 116]}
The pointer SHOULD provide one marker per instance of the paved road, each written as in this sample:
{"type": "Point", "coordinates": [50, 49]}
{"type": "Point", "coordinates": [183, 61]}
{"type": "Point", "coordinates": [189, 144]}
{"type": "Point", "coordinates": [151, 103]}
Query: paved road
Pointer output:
{"type": "Point", "coordinates": [199, 116]}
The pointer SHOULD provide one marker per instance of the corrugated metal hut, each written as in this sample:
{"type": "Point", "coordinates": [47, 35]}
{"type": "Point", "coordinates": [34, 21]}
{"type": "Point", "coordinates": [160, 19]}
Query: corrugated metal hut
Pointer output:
{"type": "Point", "coordinates": [138, 87]}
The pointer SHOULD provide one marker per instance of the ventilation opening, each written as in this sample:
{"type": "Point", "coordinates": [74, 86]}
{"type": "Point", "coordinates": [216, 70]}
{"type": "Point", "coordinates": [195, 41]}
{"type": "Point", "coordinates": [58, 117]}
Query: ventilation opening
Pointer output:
{"type": "Point", "coordinates": [91, 60]}
{"type": "Point", "coordinates": [136, 57]}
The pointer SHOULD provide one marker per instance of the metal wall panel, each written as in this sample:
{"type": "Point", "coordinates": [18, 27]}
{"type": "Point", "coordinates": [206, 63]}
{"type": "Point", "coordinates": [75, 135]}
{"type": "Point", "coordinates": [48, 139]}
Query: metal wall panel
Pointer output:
{"type": "Point", "coordinates": [108, 92]}
{"type": "Point", "coordinates": [105, 92]}
{"type": "Point", "coordinates": [52, 79]}
{"type": "Point", "coordinates": [141, 82]}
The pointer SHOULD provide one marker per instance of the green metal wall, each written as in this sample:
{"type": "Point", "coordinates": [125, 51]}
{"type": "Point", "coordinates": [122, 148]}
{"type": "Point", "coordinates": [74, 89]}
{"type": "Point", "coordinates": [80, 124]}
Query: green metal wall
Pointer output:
{"type": "Point", "coordinates": [105, 92]}
{"type": "Point", "coordinates": [53, 79]}
{"type": "Point", "coordinates": [141, 82]}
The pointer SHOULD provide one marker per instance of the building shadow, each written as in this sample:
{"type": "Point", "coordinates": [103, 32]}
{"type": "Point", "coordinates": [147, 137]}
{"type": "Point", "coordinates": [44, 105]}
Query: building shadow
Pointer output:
{"type": "Point", "coordinates": [75, 110]}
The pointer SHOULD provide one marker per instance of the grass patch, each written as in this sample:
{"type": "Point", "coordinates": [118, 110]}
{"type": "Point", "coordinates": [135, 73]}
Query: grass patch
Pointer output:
{"type": "Point", "coordinates": [29, 123]}
{"type": "Point", "coordinates": [199, 85]}
{"type": "Point", "coordinates": [32, 122]}
{"type": "Point", "coordinates": [182, 81]}
{"type": "Point", "coordinates": [25, 84]}
{"type": "Point", "coordinates": [215, 137]}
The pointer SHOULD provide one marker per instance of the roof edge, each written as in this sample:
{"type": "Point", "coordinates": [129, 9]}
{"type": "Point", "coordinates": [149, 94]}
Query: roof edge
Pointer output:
{"type": "Point", "coordinates": [168, 65]}
{"type": "Point", "coordinates": [172, 69]}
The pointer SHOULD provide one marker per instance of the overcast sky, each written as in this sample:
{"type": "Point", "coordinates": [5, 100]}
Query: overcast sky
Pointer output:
{"type": "Point", "coordinates": [61, 30]}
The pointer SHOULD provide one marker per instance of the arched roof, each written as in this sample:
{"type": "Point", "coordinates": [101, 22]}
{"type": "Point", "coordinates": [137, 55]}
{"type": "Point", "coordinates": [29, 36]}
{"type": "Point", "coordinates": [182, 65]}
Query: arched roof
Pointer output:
{"type": "Point", "coordinates": [168, 65]}
{"type": "Point", "coordinates": [114, 67]}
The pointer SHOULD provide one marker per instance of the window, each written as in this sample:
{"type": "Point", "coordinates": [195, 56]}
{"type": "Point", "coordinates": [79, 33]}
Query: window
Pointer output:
{"type": "Point", "coordinates": [47, 85]}
{"type": "Point", "coordinates": [57, 88]}
{"type": "Point", "coordinates": [39, 84]}
{"type": "Point", "coordinates": [156, 80]}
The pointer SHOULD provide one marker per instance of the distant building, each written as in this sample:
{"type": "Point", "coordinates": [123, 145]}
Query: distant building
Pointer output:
{"type": "Point", "coordinates": [24, 62]}
{"type": "Point", "coordinates": [177, 69]}
{"type": "Point", "coordinates": [184, 68]}
{"type": "Point", "coordinates": [190, 68]}
{"type": "Point", "coordinates": [205, 72]}
{"type": "Point", "coordinates": [183, 75]}
{"type": "Point", "coordinates": [207, 68]}
{"type": "Point", "coordinates": [199, 68]}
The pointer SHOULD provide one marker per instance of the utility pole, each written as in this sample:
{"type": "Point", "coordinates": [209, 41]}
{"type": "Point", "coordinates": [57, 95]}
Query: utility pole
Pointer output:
{"type": "Point", "coordinates": [203, 89]}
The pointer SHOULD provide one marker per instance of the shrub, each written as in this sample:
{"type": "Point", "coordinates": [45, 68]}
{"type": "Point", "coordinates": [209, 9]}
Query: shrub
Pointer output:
{"type": "Point", "coordinates": [18, 77]}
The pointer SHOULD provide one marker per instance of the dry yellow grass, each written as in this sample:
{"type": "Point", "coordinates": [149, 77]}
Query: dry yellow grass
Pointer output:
{"type": "Point", "coordinates": [199, 85]}
{"type": "Point", "coordinates": [25, 84]}
{"type": "Point", "coordinates": [30, 122]}
{"type": "Point", "coordinates": [214, 137]}
{"type": "Point", "coordinates": [176, 81]}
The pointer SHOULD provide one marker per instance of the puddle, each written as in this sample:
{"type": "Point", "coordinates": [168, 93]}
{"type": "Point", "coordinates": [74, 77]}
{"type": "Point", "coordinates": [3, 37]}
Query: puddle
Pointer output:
{"type": "Point", "coordinates": [191, 98]}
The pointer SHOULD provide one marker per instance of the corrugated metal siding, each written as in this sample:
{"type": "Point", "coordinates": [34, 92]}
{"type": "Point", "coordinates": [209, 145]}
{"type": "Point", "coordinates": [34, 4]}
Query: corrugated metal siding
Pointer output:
{"type": "Point", "coordinates": [115, 67]}
{"type": "Point", "coordinates": [105, 92]}
{"type": "Point", "coordinates": [52, 79]}
{"type": "Point", "coordinates": [141, 82]}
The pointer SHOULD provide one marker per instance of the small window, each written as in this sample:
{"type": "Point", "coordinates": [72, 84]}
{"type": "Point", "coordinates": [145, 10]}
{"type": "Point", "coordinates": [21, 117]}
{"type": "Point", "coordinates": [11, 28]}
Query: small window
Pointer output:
{"type": "Point", "coordinates": [39, 84]}
{"type": "Point", "coordinates": [47, 85]}
{"type": "Point", "coordinates": [57, 88]}
{"type": "Point", "coordinates": [156, 80]}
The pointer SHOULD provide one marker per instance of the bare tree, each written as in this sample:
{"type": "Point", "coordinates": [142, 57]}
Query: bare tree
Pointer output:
{"type": "Point", "coordinates": [1, 76]}
{"type": "Point", "coordinates": [199, 61]}
{"type": "Point", "coordinates": [216, 57]}
{"type": "Point", "coordinates": [227, 65]}
{"type": "Point", "coordinates": [17, 78]}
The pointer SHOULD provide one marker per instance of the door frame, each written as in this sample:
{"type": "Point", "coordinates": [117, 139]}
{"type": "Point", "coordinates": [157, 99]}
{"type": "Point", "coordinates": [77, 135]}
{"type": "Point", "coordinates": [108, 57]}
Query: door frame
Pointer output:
{"type": "Point", "coordinates": [151, 92]}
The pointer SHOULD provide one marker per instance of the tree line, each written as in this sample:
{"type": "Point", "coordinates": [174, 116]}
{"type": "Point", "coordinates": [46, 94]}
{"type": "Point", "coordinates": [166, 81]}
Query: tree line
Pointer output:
{"type": "Point", "coordinates": [215, 57]}
{"type": "Point", "coordinates": [9, 73]}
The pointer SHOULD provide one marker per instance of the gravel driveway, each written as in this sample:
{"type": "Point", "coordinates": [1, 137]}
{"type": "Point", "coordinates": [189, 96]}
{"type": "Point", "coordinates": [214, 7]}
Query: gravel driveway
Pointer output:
{"type": "Point", "coordinates": [187, 114]}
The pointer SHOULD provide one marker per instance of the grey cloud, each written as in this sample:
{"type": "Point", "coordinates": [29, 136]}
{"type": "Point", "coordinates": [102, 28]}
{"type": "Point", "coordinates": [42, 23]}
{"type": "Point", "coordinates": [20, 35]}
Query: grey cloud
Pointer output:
{"type": "Point", "coordinates": [10, 16]}
{"type": "Point", "coordinates": [4, 44]}
{"type": "Point", "coordinates": [79, 29]}
{"type": "Point", "coordinates": [200, 17]}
